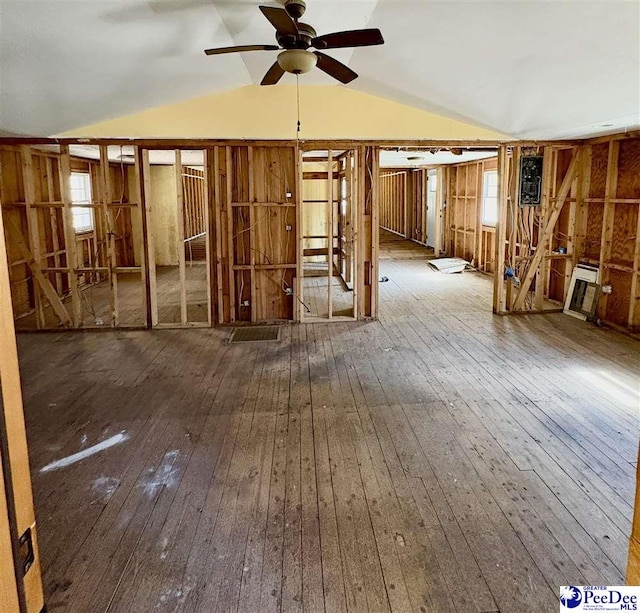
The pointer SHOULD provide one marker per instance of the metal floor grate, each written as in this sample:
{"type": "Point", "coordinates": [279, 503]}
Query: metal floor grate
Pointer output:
{"type": "Point", "coordinates": [255, 333]}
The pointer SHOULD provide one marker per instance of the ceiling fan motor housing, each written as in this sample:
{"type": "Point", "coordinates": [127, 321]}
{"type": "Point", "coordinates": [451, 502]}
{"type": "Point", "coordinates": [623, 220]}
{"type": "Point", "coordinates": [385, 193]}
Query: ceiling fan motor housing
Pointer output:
{"type": "Point", "coordinates": [295, 8]}
{"type": "Point", "coordinates": [306, 34]}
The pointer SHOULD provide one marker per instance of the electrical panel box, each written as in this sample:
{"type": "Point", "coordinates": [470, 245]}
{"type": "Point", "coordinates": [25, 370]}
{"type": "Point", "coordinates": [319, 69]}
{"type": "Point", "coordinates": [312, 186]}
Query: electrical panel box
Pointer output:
{"type": "Point", "coordinates": [530, 180]}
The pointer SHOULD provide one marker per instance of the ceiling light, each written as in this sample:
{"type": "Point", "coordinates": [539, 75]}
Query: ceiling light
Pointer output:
{"type": "Point", "coordinates": [297, 61]}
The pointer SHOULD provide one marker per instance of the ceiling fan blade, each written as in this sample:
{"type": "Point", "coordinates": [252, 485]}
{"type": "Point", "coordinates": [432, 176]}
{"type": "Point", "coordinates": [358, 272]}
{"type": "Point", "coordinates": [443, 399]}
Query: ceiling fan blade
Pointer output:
{"type": "Point", "coordinates": [335, 69]}
{"type": "Point", "coordinates": [280, 20]}
{"type": "Point", "coordinates": [274, 74]}
{"type": "Point", "coordinates": [352, 38]}
{"type": "Point", "coordinates": [223, 50]}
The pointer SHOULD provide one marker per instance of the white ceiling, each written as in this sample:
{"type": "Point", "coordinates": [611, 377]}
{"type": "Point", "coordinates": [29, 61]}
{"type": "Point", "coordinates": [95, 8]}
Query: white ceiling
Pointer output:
{"type": "Point", "coordinates": [543, 69]}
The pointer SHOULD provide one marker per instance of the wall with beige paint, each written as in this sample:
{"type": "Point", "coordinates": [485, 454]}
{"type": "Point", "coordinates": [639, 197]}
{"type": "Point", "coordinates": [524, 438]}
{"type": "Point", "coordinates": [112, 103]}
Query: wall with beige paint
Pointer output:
{"type": "Point", "coordinates": [327, 112]}
{"type": "Point", "coordinates": [164, 214]}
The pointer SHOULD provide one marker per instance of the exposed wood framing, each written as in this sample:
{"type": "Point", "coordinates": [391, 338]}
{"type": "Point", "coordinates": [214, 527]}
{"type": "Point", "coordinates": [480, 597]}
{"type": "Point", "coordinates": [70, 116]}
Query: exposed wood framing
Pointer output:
{"type": "Point", "coordinates": [53, 223]}
{"type": "Point", "coordinates": [70, 236]}
{"type": "Point", "coordinates": [234, 307]}
{"type": "Point", "coordinates": [547, 231]}
{"type": "Point", "coordinates": [306, 145]}
{"type": "Point", "coordinates": [634, 301]}
{"type": "Point", "coordinates": [465, 234]}
{"type": "Point", "coordinates": [16, 481]}
{"type": "Point", "coordinates": [608, 221]}
{"type": "Point", "coordinates": [542, 272]}
{"type": "Point", "coordinates": [143, 221]}
{"type": "Point", "coordinates": [354, 236]}
{"type": "Point", "coordinates": [499, 296]}
{"type": "Point", "coordinates": [180, 201]}
{"type": "Point", "coordinates": [299, 305]}
{"type": "Point", "coordinates": [589, 214]}
{"type": "Point", "coordinates": [582, 206]}
{"type": "Point", "coordinates": [515, 248]}
{"type": "Point", "coordinates": [105, 197]}
{"type": "Point", "coordinates": [259, 211]}
{"type": "Point", "coordinates": [370, 229]}
{"type": "Point", "coordinates": [208, 210]}
{"type": "Point", "coordinates": [441, 192]}
{"type": "Point", "coordinates": [330, 232]}
{"type": "Point", "coordinates": [252, 235]}
{"type": "Point", "coordinates": [147, 214]}
{"type": "Point", "coordinates": [216, 186]}
{"type": "Point", "coordinates": [43, 282]}
{"type": "Point", "coordinates": [32, 230]}
{"type": "Point", "coordinates": [403, 203]}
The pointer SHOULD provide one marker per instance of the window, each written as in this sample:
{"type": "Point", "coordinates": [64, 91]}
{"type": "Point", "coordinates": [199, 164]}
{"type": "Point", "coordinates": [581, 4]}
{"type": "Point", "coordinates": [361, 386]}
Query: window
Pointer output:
{"type": "Point", "coordinates": [490, 198]}
{"type": "Point", "coordinates": [81, 194]}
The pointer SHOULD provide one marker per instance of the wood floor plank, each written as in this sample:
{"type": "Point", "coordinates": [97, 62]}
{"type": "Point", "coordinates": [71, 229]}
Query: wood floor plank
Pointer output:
{"type": "Point", "coordinates": [439, 459]}
{"type": "Point", "coordinates": [333, 579]}
{"type": "Point", "coordinates": [391, 529]}
{"type": "Point", "coordinates": [414, 495]}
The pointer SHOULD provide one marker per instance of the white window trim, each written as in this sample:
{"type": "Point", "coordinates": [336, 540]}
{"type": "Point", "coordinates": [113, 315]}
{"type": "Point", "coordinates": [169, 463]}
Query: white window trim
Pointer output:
{"type": "Point", "coordinates": [485, 188]}
{"type": "Point", "coordinates": [83, 217]}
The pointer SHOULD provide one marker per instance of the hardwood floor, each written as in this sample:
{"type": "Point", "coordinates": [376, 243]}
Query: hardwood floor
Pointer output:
{"type": "Point", "coordinates": [96, 304]}
{"type": "Point", "coordinates": [394, 246]}
{"type": "Point", "coordinates": [316, 298]}
{"type": "Point", "coordinates": [440, 459]}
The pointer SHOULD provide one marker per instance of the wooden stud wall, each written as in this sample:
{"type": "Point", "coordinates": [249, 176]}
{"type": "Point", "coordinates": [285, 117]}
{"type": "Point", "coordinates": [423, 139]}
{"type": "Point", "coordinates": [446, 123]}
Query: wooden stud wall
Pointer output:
{"type": "Point", "coordinates": [49, 263]}
{"type": "Point", "coordinates": [416, 191]}
{"type": "Point", "coordinates": [254, 262]}
{"type": "Point", "coordinates": [403, 202]}
{"type": "Point", "coordinates": [403, 209]}
{"type": "Point", "coordinates": [193, 186]}
{"type": "Point", "coordinates": [367, 213]}
{"type": "Point", "coordinates": [465, 235]}
{"type": "Point", "coordinates": [619, 210]}
{"type": "Point", "coordinates": [255, 192]}
{"type": "Point", "coordinates": [591, 208]}
{"type": "Point", "coordinates": [393, 200]}
{"type": "Point", "coordinates": [257, 195]}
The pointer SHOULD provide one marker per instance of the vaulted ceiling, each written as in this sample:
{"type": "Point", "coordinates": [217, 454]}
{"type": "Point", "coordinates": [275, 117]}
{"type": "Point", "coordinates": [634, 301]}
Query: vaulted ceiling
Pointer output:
{"type": "Point", "coordinates": [544, 69]}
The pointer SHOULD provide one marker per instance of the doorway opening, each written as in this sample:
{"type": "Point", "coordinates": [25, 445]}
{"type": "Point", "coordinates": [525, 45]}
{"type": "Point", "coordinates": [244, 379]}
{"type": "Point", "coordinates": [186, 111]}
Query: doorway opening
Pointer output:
{"type": "Point", "coordinates": [431, 206]}
{"type": "Point", "coordinates": [329, 235]}
{"type": "Point", "coordinates": [177, 219]}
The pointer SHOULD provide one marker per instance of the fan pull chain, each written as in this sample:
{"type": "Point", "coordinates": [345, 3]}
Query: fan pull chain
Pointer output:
{"type": "Point", "coordinates": [298, 97]}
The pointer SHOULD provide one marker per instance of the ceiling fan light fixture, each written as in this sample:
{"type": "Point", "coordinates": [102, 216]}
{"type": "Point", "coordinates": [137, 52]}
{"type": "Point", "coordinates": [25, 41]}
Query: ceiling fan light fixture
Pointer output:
{"type": "Point", "coordinates": [297, 61]}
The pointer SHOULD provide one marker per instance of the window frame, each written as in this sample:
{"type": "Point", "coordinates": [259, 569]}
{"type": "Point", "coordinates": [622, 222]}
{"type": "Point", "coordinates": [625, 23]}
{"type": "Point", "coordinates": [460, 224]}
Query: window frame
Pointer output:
{"type": "Point", "coordinates": [491, 222]}
{"type": "Point", "coordinates": [77, 209]}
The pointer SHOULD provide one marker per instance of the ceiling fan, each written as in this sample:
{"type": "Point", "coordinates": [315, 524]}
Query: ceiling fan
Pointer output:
{"type": "Point", "coordinates": [294, 40]}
